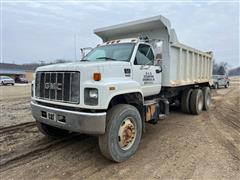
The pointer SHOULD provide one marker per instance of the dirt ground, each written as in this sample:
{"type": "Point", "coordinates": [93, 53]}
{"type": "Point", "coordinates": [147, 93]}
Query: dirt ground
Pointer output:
{"type": "Point", "coordinates": [180, 147]}
{"type": "Point", "coordinates": [15, 104]}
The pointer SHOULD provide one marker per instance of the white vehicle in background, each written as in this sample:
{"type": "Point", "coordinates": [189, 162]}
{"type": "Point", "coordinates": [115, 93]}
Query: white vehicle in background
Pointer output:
{"type": "Point", "coordinates": [5, 80]}
{"type": "Point", "coordinates": [220, 80]}
{"type": "Point", "coordinates": [130, 79]}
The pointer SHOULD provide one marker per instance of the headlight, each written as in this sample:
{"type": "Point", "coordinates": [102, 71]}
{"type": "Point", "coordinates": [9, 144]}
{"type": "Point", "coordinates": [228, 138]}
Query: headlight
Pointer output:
{"type": "Point", "coordinates": [93, 93]}
{"type": "Point", "coordinates": [91, 96]}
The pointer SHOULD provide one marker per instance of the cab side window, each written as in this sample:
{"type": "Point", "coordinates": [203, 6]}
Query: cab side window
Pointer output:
{"type": "Point", "coordinates": [144, 55]}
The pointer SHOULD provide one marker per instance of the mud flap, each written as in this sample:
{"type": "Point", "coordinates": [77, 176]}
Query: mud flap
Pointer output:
{"type": "Point", "coordinates": [152, 112]}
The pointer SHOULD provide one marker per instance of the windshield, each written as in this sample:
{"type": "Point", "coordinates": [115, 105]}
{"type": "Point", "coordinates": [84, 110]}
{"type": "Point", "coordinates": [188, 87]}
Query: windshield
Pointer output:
{"type": "Point", "coordinates": [113, 52]}
{"type": "Point", "coordinates": [5, 77]}
{"type": "Point", "coordinates": [215, 76]}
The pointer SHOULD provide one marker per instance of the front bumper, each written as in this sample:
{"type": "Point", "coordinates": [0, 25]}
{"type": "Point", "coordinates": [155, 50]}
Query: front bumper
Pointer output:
{"type": "Point", "coordinates": [82, 122]}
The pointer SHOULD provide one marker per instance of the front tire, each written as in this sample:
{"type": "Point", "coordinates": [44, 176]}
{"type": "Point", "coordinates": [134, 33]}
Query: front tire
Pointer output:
{"type": "Point", "coordinates": [50, 131]}
{"type": "Point", "coordinates": [196, 101]}
{"type": "Point", "coordinates": [123, 133]}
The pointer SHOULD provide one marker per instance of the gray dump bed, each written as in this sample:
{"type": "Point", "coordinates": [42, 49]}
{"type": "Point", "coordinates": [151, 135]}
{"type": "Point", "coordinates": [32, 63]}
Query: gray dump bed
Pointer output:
{"type": "Point", "coordinates": [182, 65]}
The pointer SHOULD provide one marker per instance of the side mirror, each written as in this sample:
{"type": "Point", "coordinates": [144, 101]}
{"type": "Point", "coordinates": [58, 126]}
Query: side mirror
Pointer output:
{"type": "Point", "coordinates": [85, 51]}
{"type": "Point", "coordinates": [157, 62]}
{"type": "Point", "coordinates": [161, 68]}
{"type": "Point", "coordinates": [158, 59]}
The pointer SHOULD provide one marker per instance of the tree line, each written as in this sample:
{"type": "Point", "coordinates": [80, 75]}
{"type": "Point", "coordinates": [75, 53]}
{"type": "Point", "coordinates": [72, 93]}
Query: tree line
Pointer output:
{"type": "Point", "coordinates": [223, 68]}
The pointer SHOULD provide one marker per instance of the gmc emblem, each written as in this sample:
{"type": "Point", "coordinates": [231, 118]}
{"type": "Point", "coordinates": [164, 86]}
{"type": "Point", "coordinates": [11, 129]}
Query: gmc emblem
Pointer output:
{"type": "Point", "coordinates": [53, 86]}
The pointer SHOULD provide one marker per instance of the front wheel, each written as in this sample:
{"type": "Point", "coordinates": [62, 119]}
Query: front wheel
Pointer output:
{"type": "Point", "coordinates": [123, 133]}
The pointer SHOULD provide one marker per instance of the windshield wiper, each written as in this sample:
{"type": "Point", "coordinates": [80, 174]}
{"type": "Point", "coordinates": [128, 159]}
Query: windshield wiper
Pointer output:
{"type": "Point", "coordinates": [84, 60]}
{"type": "Point", "coordinates": [107, 58]}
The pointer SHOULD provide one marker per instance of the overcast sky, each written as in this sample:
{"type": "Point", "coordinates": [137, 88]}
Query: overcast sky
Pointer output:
{"type": "Point", "coordinates": [38, 30]}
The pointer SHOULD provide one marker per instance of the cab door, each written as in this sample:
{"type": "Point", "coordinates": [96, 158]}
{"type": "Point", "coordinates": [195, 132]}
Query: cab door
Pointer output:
{"type": "Point", "coordinates": [145, 72]}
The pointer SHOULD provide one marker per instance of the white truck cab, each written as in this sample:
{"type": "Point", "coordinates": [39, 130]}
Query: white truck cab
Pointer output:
{"type": "Point", "coordinates": [129, 79]}
{"type": "Point", "coordinates": [140, 58]}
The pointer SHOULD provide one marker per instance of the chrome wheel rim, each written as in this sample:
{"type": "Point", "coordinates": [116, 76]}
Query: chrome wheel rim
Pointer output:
{"type": "Point", "coordinates": [127, 133]}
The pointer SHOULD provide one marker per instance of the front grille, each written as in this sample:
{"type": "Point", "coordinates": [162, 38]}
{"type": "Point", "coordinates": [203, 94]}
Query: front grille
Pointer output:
{"type": "Point", "coordinates": [58, 86]}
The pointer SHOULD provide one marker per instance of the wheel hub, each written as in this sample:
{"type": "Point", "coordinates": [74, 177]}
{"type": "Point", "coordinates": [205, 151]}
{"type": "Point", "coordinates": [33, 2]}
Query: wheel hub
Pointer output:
{"type": "Point", "coordinates": [126, 134]}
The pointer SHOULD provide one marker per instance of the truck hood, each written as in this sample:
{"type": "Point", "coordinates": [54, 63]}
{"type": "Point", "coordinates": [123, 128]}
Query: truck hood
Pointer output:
{"type": "Point", "coordinates": [108, 69]}
{"type": "Point", "coordinates": [78, 66]}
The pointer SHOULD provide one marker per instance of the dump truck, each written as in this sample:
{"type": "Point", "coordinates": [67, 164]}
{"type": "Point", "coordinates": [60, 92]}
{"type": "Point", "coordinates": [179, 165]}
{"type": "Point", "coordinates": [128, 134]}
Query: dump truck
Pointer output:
{"type": "Point", "coordinates": [130, 79]}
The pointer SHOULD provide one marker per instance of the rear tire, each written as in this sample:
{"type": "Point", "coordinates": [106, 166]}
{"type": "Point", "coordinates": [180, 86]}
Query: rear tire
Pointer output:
{"type": "Point", "coordinates": [51, 131]}
{"type": "Point", "coordinates": [123, 133]}
{"type": "Point", "coordinates": [207, 98]}
{"type": "Point", "coordinates": [185, 100]}
{"type": "Point", "coordinates": [196, 101]}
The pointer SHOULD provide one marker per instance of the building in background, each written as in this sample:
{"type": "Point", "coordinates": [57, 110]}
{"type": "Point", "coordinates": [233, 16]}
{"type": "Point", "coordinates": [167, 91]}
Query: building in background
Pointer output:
{"type": "Point", "coordinates": [29, 75]}
{"type": "Point", "coordinates": [12, 73]}
{"type": "Point", "coordinates": [24, 70]}
{"type": "Point", "coordinates": [15, 70]}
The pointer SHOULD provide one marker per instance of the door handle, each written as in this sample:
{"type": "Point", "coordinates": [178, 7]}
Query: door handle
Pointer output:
{"type": "Point", "coordinates": [145, 67]}
{"type": "Point", "coordinates": [158, 71]}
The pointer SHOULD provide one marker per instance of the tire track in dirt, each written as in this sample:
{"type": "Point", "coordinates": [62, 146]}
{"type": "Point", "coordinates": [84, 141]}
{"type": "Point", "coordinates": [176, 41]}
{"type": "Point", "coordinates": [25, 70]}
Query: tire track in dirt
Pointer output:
{"type": "Point", "coordinates": [11, 160]}
{"type": "Point", "coordinates": [225, 126]}
{"type": "Point", "coordinates": [12, 138]}
{"type": "Point", "coordinates": [18, 127]}
{"type": "Point", "coordinates": [84, 155]}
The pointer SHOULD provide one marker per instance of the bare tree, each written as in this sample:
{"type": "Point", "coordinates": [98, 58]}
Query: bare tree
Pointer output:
{"type": "Point", "coordinates": [220, 68]}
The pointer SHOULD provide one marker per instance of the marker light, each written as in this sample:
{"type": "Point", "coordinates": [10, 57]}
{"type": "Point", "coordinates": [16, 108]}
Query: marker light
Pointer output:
{"type": "Point", "coordinates": [97, 76]}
